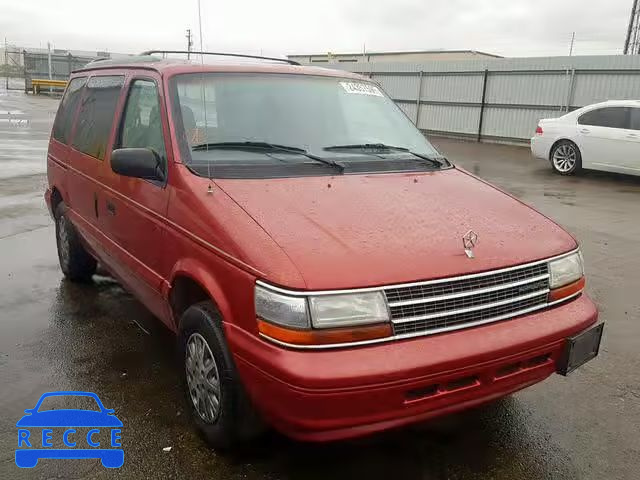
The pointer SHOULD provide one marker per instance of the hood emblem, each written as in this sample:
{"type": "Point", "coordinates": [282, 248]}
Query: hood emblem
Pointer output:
{"type": "Point", "coordinates": [469, 240]}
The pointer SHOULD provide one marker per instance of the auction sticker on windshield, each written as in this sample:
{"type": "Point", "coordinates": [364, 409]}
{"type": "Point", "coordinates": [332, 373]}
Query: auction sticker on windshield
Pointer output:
{"type": "Point", "coordinates": [361, 88]}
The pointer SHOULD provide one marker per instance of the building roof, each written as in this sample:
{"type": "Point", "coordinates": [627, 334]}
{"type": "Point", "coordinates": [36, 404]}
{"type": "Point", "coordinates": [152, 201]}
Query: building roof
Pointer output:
{"type": "Point", "coordinates": [407, 52]}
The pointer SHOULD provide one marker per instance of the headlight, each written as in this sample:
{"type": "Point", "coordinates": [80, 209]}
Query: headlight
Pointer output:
{"type": "Point", "coordinates": [566, 270]}
{"type": "Point", "coordinates": [281, 309]}
{"type": "Point", "coordinates": [321, 319]}
{"type": "Point", "coordinates": [348, 310]}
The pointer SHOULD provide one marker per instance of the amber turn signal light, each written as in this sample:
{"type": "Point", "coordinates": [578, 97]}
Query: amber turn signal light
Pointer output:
{"type": "Point", "coordinates": [566, 291]}
{"type": "Point", "coordinates": [324, 336]}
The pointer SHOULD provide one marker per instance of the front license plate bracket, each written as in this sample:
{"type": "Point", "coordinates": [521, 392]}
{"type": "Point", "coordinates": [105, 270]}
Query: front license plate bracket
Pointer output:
{"type": "Point", "coordinates": [580, 349]}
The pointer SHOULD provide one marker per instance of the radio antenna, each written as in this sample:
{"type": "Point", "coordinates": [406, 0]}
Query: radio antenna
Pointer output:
{"type": "Point", "coordinates": [204, 99]}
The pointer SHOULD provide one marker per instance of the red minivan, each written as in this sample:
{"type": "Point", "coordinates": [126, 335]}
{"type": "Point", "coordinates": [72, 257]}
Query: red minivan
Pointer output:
{"type": "Point", "coordinates": [325, 269]}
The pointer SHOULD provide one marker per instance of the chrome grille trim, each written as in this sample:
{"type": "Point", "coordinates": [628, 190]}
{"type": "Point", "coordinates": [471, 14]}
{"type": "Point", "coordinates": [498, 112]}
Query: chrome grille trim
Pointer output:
{"type": "Point", "coordinates": [468, 293]}
{"type": "Point", "coordinates": [457, 285]}
{"type": "Point", "coordinates": [477, 323]}
{"type": "Point", "coordinates": [472, 309]}
{"type": "Point", "coordinates": [462, 302]}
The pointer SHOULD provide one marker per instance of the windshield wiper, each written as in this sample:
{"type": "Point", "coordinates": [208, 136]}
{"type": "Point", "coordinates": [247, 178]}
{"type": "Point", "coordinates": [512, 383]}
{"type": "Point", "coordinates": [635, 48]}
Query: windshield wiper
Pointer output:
{"type": "Point", "coordinates": [365, 146]}
{"type": "Point", "coordinates": [377, 147]}
{"type": "Point", "coordinates": [266, 146]}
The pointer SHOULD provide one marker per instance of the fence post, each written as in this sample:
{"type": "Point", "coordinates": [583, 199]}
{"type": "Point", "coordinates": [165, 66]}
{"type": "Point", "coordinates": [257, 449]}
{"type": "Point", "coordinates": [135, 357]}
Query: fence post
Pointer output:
{"type": "Point", "coordinates": [6, 63]}
{"type": "Point", "coordinates": [27, 78]}
{"type": "Point", "coordinates": [482, 103]}
{"type": "Point", "coordinates": [418, 99]}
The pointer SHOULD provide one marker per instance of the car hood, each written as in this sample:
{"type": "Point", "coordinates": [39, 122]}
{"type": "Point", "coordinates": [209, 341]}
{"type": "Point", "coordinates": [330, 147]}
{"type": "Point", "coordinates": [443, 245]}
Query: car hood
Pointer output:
{"type": "Point", "coordinates": [352, 231]}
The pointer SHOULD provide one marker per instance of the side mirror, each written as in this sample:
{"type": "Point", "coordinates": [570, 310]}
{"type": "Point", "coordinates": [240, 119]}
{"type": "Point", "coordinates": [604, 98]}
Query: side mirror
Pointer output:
{"type": "Point", "coordinates": [137, 162]}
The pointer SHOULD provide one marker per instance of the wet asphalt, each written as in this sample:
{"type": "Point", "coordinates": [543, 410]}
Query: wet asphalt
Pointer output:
{"type": "Point", "coordinates": [55, 335]}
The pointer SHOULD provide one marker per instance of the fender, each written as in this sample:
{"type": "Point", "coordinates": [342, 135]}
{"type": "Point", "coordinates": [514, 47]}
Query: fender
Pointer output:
{"type": "Point", "coordinates": [199, 273]}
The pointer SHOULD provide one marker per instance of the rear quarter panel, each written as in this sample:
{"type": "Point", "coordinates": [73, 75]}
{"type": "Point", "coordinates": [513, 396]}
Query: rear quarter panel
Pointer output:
{"type": "Point", "coordinates": [556, 130]}
{"type": "Point", "coordinates": [57, 169]}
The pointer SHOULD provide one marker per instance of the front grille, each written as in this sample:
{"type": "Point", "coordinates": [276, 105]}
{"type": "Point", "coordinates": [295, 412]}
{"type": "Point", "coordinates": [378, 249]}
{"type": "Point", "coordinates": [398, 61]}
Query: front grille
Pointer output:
{"type": "Point", "coordinates": [454, 303]}
{"type": "Point", "coordinates": [432, 289]}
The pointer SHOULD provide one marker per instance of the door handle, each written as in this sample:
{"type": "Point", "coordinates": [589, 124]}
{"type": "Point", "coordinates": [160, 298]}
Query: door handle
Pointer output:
{"type": "Point", "coordinates": [585, 130]}
{"type": "Point", "coordinates": [111, 208]}
{"type": "Point", "coordinates": [633, 135]}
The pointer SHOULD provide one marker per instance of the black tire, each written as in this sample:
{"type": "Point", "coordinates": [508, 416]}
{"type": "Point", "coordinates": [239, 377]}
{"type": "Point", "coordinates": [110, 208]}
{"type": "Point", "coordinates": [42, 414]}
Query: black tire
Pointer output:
{"type": "Point", "coordinates": [75, 262]}
{"type": "Point", "coordinates": [565, 158]}
{"type": "Point", "coordinates": [236, 420]}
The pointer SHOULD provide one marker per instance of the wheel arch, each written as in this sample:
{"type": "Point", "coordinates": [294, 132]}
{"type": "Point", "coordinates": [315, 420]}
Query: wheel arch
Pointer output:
{"type": "Point", "coordinates": [191, 283]}
{"type": "Point", "coordinates": [56, 199]}
{"type": "Point", "coordinates": [562, 139]}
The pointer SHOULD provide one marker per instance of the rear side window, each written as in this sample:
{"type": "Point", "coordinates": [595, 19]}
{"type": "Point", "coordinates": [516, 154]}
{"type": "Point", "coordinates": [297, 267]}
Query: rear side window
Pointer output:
{"type": "Point", "coordinates": [612, 117]}
{"type": "Point", "coordinates": [635, 119]}
{"type": "Point", "coordinates": [67, 110]}
{"type": "Point", "coordinates": [142, 124]}
{"type": "Point", "coordinates": [95, 118]}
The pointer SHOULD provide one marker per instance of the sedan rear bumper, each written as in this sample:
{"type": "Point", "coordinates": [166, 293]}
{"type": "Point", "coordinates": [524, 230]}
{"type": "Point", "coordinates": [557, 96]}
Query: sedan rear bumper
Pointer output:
{"type": "Point", "coordinates": [540, 147]}
{"type": "Point", "coordinates": [331, 395]}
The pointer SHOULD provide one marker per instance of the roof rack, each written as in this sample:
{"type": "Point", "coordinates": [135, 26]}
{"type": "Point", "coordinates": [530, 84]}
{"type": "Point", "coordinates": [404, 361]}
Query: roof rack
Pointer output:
{"type": "Point", "coordinates": [259, 57]}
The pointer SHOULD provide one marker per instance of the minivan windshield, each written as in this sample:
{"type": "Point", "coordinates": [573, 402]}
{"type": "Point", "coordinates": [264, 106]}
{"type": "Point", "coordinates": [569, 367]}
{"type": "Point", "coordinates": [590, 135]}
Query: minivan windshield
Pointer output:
{"type": "Point", "coordinates": [237, 125]}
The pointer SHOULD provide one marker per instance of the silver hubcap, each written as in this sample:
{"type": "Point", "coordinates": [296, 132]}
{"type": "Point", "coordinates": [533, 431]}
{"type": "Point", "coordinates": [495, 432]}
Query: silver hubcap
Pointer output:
{"type": "Point", "coordinates": [564, 158]}
{"type": "Point", "coordinates": [202, 378]}
{"type": "Point", "coordinates": [63, 240]}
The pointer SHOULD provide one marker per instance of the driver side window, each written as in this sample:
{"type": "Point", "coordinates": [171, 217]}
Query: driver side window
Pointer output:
{"type": "Point", "coordinates": [141, 122]}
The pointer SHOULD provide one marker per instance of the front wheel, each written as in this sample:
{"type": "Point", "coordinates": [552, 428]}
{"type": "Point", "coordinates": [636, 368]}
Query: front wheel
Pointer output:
{"type": "Point", "coordinates": [566, 158]}
{"type": "Point", "coordinates": [219, 405]}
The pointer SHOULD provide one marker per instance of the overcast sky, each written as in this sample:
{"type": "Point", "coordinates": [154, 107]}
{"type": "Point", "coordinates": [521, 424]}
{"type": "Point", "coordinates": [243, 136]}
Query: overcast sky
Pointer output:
{"type": "Point", "coordinates": [278, 27]}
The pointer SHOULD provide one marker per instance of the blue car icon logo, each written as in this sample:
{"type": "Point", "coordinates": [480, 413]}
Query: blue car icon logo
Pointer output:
{"type": "Point", "coordinates": [84, 433]}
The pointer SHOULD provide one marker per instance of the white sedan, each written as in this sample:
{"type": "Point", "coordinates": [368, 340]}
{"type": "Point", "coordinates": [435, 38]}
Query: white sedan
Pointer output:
{"type": "Point", "coordinates": [604, 136]}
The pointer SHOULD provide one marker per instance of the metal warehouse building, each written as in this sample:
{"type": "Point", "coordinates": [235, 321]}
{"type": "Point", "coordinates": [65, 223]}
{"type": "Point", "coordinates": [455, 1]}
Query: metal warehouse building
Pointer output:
{"type": "Point", "coordinates": [500, 99]}
{"type": "Point", "coordinates": [412, 56]}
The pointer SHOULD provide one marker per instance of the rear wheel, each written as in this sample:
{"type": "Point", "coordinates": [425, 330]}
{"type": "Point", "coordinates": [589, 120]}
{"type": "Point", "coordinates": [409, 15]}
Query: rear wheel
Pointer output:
{"type": "Point", "coordinates": [566, 158]}
{"type": "Point", "coordinates": [219, 405]}
{"type": "Point", "coordinates": [76, 263]}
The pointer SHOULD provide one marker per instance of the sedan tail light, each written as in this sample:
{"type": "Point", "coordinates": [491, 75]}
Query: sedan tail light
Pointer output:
{"type": "Point", "coordinates": [539, 130]}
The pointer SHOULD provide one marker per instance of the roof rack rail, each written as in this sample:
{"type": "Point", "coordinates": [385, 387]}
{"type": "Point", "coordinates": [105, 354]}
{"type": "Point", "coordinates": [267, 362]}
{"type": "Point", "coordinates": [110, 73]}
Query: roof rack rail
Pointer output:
{"type": "Point", "coordinates": [259, 57]}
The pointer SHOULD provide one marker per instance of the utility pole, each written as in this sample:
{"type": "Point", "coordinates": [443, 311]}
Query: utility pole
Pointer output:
{"type": "Point", "coordinates": [632, 42]}
{"type": "Point", "coordinates": [6, 63]}
{"type": "Point", "coordinates": [573, 37]}
{"type": "Point", "coordinates": [49, 60]}
{"type": "Point", "coordinates": [189, 42]}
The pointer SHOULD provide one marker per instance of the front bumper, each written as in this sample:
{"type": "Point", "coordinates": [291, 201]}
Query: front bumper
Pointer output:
{"type": "Point", "coordinates": [331, 395]}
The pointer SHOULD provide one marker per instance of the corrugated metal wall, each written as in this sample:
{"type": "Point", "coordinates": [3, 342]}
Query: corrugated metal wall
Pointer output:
{"type": "Point", "coordinates": [447, 96]}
